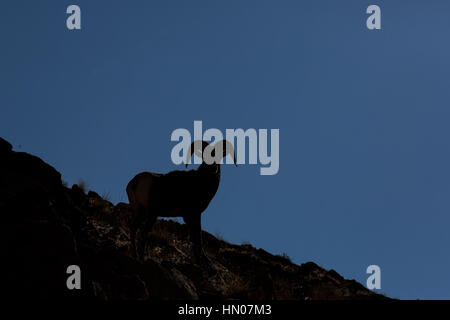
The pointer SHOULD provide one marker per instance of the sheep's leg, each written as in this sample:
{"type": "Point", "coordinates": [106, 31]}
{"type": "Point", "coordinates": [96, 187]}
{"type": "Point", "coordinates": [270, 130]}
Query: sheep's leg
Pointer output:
{"type": "Point", "coordinates": [195, 226]}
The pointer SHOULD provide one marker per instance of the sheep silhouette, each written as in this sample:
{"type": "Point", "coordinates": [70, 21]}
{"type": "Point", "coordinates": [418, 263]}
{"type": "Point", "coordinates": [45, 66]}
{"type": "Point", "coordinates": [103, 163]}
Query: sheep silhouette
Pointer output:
{"type": "Point", "coordinates": [177, 193]}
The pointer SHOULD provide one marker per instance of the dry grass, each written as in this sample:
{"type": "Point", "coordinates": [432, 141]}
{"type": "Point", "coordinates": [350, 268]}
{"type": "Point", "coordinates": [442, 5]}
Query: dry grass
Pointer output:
{"type": "Point", "coordinates": [237, 288]}
{"type": "Point", "coordinates": [285, 256]}
{"type": "Point", "coordinates": [219, 236]}
{"type": "Point", "coordinates": [162, 233]}
{"type": "Point", "coordinates": [82, 185]}
{"type": "Point", "coordinates": [106, 196]}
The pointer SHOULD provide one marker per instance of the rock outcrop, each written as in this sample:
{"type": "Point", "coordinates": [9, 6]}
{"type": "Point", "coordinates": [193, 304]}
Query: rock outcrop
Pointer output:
{"type": "Point", "coordinates": [46, 227]}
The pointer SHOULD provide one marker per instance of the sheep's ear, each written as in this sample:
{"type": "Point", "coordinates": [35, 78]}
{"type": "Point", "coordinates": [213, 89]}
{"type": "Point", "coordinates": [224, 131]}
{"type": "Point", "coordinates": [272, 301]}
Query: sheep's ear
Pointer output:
{"type": "Point", "coordinates": [196, 148]}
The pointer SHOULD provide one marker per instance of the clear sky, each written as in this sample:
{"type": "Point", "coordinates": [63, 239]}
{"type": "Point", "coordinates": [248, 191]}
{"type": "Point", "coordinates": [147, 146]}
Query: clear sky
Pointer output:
{"type": "Point", "coordinates": [363, 116]}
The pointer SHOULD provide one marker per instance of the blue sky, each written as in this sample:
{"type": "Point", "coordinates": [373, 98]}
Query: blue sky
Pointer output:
{"type": "Point", "coordinates": [363, 116]}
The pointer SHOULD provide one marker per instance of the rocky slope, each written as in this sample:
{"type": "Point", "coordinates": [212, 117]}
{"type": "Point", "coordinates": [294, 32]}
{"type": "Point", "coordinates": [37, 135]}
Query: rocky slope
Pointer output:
{"type": "Point", "coordinates": [46, 227]}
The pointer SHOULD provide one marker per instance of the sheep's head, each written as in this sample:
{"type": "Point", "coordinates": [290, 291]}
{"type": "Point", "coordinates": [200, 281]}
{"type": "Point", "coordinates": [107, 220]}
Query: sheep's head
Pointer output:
{"type": "Point", "coordinates": [211, 154]}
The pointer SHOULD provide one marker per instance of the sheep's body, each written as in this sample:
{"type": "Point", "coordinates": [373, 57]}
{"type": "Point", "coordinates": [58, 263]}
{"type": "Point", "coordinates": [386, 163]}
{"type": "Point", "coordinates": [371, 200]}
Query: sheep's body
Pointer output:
{"type": "Point", "coordinates": [175, 194]}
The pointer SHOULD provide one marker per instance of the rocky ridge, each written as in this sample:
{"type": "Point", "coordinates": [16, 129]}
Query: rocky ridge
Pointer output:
{"type": "Point", "coordinates": [48, 226]}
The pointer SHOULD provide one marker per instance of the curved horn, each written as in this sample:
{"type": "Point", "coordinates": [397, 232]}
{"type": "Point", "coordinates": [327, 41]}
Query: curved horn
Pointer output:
{"type": "Point", "coordinates": [224, 147]}
{"type": "Point", "coordinates": [197, 147]}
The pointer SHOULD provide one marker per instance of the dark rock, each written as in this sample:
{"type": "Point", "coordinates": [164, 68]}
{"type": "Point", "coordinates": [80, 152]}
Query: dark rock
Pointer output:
{"type": "Point", "coordinates": [77, 195]}
{"type": "Point", "coordinates": [5, 146]}
{"type": "Point", "coordinates": [93, 194]}
{"type": "Point", "coordinates": [38, 254]}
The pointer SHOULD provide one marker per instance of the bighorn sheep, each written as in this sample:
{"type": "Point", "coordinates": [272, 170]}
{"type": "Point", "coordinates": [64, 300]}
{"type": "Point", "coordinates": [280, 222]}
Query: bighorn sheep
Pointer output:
{"type": "Point", "coordinates": [176, 194]}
